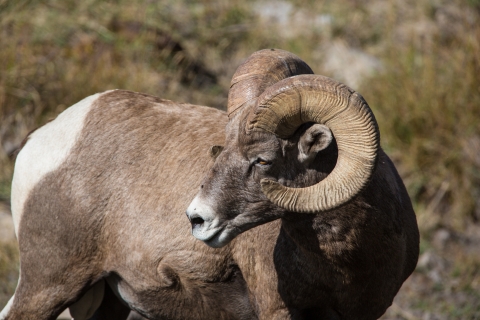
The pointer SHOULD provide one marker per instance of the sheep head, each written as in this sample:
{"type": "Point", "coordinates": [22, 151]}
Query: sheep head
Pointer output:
{"type": "Point", "coordinates": [295, 143]}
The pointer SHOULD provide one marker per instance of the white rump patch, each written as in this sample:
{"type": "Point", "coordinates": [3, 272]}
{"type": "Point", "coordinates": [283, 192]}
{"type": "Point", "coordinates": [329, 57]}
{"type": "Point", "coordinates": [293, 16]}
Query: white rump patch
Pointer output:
{"type": "Point", "coordinates": [46, 150]}
{"type": "Point", "coordinates": [5, 310]}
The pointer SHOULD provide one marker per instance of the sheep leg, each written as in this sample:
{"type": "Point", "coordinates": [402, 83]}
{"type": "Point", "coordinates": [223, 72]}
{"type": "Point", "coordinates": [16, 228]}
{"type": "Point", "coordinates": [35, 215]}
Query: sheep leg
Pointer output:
{"type": "Point", "coordinates": [294, 314]}
{"type": "Point", "coordinates": [84, 308]}
{"type": "Point", "coordinates": [38, 297]}
{"type": "Point", "coordinates": [111, 307]}
{"type": "Point", "coordinates": [286, 314]}
{"type": "Point", "coordinates": [36, 305]}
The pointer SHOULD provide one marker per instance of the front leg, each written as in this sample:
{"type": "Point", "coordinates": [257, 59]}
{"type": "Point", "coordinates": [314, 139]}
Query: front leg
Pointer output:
{"type": "Point", "coordinates": [255, 260]}
{"type": "Point", "coordinates": [286, 314]}
{"type": "Point", "coordinates": [291, 313]}
{"type": "Point", "coordinates": [260, 266]}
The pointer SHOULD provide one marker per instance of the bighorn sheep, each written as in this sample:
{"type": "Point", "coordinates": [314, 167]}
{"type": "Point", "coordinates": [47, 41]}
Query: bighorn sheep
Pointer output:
{"type": "Point", "coordinates": [99, 194]}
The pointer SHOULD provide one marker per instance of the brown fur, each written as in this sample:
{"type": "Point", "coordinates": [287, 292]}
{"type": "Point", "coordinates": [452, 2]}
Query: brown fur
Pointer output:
{"type": "Point", "coordinates": [115, 210]}
{"type": "Point", "coordinates": [346, 263]}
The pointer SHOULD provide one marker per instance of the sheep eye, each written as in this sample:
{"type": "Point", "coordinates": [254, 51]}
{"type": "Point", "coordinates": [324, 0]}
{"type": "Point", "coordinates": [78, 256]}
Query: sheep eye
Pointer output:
{"type": "Point", "coordinates": [263, 162]}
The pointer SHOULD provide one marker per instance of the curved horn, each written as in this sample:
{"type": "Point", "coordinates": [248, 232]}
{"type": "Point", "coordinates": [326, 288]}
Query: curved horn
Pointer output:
{"type": "Point", "coordinates": [283, 107]}
{"type": "Point", "coordinates": [261, 70]}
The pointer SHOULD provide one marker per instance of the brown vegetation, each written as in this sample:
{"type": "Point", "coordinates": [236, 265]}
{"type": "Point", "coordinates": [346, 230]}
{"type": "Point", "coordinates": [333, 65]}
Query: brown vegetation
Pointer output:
{"type": "Point", "coordinates": [417, 63]}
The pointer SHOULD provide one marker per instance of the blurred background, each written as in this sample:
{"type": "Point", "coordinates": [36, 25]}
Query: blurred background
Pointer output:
{"type": "Point", "coordinates": [416, 62]}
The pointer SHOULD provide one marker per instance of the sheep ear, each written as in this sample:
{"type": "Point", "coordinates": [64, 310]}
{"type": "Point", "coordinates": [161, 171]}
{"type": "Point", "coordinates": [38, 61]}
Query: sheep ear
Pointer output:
{"type": "Point", "coordinates": [315, 139]}
{"type": "Point", "coordinates": [215, 151]}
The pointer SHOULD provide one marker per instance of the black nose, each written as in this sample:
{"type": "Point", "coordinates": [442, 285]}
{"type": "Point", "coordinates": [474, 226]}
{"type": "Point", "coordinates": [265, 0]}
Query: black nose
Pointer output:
{"type": "Point", "coordinates": [196, 222]}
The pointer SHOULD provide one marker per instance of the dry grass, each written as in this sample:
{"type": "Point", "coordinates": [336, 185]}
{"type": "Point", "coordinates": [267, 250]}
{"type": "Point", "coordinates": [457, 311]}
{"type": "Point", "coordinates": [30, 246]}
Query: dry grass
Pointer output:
{"type": "Point", "coordinates": [424, 87]}
{"type": "Point", "coordinates": [8, 270]}
{"type": "Point", "coordinates": [427, 102]}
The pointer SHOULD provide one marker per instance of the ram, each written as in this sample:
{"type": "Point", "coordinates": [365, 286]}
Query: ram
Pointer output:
{"type": "Point", "coordinates": [304, 215]}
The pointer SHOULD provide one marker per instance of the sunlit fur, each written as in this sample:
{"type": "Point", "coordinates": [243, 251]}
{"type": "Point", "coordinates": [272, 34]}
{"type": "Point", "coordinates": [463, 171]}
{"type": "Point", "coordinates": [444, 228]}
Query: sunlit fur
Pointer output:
{"type": "Point", "coordinates": [114, 209]}
{"type": "Point", "coordinates": [346, 263]}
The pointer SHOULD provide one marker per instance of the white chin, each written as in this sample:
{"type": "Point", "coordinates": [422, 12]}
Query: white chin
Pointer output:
{"type": "Point", "coordinates": [221, 239]}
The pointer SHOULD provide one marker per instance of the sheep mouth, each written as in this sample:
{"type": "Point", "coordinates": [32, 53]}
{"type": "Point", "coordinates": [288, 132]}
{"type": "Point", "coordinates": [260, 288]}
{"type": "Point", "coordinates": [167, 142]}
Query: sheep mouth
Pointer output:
{"type": "Point", "coordinates": [221, 238]}
{"type": "Point", "coordinates": [205, 233]}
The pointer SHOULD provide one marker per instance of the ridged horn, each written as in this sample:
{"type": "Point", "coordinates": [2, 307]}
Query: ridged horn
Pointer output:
{"type": "Point", "coordinates": [284, 106]}
{"type": "Point", "coordinates": [261, 70]}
